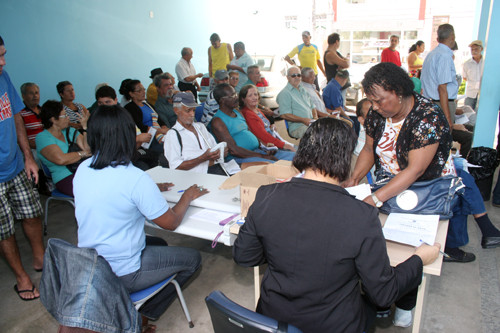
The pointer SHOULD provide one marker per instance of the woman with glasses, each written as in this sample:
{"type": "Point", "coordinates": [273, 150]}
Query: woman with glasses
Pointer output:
{"type": "Point", "coordinates": [143, 114]}
{"type": "Point", "coordinates": [53, 143]}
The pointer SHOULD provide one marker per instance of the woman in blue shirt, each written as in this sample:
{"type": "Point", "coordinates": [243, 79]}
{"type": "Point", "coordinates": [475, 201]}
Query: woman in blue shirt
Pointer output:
{"type": "Point", "coordinates": [52, 144]}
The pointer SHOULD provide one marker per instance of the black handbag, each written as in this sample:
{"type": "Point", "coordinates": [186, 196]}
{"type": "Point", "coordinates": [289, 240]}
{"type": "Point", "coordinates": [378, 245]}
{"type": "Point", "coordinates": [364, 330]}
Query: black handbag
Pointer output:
{"type": "Point", "coordinates": [73, 148]}
{"type": "Point", "coordinates": [430, 197]}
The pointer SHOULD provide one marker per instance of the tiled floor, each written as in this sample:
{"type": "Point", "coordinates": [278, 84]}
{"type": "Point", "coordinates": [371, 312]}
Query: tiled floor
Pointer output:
{"type": "Point", "coordinates": [465, 298]}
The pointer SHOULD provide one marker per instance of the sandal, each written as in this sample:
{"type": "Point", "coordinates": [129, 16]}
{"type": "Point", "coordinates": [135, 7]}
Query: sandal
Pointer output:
{"type": "Point", "coordinates": [19, 292]}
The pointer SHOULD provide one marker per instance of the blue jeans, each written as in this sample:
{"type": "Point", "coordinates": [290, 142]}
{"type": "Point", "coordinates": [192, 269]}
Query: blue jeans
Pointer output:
{"type": "Point", "coordinates": [158, 263]}
{"type": "Point", "coordinates": [280, 155]}
{"type": "Point", "coordinates": [470, 203]}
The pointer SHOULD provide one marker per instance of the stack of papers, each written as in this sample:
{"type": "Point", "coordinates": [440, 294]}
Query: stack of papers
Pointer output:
{"type": "Point", "coordinates": [411, 229]}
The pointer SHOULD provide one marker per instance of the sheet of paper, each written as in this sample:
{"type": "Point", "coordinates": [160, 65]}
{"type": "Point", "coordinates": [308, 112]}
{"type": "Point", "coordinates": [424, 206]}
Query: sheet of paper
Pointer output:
{"type": "Point", "coordinates": [360, 191]}
{"type": "Point", "coordinates": [232, 167]}
{"type": "Point", "coordinates": [411, 229]}
{"type": "Point", "coordinates": [151, 131]}
{"type": "Point", "coordinates": [211, 215]}
{"type": "Point", "coordinates": [461, 119]}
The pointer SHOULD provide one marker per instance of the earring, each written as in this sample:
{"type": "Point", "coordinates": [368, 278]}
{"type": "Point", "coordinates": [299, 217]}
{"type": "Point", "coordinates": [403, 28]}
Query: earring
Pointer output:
{"type": "Point", "coordinates": [400, 99]}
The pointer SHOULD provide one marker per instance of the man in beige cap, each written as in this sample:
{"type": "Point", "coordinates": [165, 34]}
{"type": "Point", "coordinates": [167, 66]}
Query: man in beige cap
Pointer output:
{"type": "Point", "coordinates": [472, 73]}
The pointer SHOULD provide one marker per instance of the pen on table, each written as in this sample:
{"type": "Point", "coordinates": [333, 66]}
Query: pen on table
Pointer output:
{"type": "Point", "coordinates": [444, 254]}
{"type": "Point", "coordinates": [180, 191]}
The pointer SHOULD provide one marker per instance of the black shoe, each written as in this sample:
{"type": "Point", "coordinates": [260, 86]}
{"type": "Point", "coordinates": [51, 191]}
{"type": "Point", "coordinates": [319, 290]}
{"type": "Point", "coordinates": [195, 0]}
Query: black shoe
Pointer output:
{"type": "Point", "coordinates": [490, 242]}
{"type": "Point", "coordinates": [459, 256]}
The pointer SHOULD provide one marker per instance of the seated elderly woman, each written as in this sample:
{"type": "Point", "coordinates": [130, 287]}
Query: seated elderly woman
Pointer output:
{"type": "Point", "coordinates": [111, 219]}
{"type": "Point", "coordinates": [143, 114]}
{"type": "Point", "coordinates": [229, 125]}
{"type": "Point", "coordinates": [332, 242]}
{"type": "Point", "coordinates": [259, 125]}
{"type": "Point", "coordinates": [53, 143]}
{"type": "Point", "coordinates": [408, 136]}
{"type": "Point", "coordinates": [73, 110]}
{"type": "Point", "coordinates": [187, 146]}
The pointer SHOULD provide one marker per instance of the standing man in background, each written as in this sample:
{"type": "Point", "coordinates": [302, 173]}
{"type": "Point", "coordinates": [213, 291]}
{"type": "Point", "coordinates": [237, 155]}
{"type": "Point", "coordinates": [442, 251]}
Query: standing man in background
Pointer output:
{"type": "Point", "coordinates": [472, 73]}
{"type": "Point", "coordinates": [308, 55]}
{"type": "Point", "coordinates": [219, 55]}
{"type": "Point", "coordinates": [186, 74]}
{"type": "Point", "coordinates": [19, 199]}
{"type": "Point", "coordinates": [390, 54]}
{"type": "Point", "coordinates": [240, 64]}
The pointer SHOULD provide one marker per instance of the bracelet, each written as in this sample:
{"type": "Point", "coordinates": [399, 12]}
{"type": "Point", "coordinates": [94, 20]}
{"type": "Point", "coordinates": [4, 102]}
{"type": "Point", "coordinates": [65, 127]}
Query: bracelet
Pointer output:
{"type": "Point", "coordinates": [80, 153]}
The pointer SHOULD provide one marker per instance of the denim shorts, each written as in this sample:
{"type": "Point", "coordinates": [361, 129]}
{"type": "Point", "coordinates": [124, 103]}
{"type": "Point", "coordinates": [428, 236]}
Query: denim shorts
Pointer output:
{"type": "Point", "coordinates": [18, 200]}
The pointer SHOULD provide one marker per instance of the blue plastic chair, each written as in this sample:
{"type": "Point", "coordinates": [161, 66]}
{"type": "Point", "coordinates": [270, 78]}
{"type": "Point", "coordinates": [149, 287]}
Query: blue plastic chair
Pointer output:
{"type": "Point", "coordinates": [55, 195]}
{"type": "Point", "coordinates": [228, 317]}
{"type": "Point", "coordinates": [142, 296]}
{"type": "Point", "coordinates": [198, 112]}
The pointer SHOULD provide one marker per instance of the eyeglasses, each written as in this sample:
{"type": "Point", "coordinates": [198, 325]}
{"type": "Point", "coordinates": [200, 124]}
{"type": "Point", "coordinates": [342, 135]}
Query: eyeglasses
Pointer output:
{"type": "Point", "coordinates": [63, 116]}
{"type": "Point", "coordinates": [139, 90]}
{"type": "Point", "coordinates": [295, 75]}
{"type": "Point", "coordinates": [232, 96]}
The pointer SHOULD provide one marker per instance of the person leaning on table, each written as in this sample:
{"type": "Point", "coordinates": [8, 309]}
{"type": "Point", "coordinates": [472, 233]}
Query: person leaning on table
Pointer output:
{"type": "Point", "coordinates": [319, 242]}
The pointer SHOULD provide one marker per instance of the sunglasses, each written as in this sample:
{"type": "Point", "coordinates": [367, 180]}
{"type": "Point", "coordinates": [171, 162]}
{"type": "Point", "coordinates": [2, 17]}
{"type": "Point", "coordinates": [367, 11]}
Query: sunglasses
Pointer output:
{"type": "Point", "coordinates": [295, 75]}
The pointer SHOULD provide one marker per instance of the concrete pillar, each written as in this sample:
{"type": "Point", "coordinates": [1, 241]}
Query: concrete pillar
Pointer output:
{"type": "Point", "coordinates": [489, 96]}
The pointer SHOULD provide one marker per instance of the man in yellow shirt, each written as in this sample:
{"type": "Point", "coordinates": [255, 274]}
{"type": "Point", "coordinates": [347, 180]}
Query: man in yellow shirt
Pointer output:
{"type": "Point", "coordinates": [219, 55]}
{"type": "Point", "coordinates": [308, 55]}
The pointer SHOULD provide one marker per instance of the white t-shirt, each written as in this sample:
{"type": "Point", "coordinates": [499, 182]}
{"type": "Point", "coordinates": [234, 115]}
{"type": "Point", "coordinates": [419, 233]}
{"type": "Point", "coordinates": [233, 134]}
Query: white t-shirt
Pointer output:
{"type": "Point", "coordinates": [190, 146]}
{"type": "Point", "coordinates": [111, 206]}
{"type": "Point", "coordinates": [184, 69]}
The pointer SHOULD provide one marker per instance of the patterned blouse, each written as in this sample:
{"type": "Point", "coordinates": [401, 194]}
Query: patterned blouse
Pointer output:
{"type": "Point", "coordinates": [72, 114]}
{"type": "Point", "coordinates": [423, 126]}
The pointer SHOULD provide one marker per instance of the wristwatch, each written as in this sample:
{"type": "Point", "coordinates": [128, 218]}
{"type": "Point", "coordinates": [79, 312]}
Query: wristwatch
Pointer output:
{"type": "Point", "coordinates": [378, 203]}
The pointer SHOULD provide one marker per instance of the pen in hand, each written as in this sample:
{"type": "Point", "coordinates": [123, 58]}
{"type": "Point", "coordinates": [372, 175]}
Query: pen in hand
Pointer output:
{"type": "Point", "coordinates": [444, 254]}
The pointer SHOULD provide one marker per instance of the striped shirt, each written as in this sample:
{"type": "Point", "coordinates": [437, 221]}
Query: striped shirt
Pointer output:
{"type": "Point", "coordinates": [31, 122]}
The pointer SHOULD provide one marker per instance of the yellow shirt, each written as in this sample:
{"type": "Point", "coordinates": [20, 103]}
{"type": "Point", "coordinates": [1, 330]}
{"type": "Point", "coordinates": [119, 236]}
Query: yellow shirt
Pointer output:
{"type": "Point", "coordinates": [308, 56]}
{"type": "Point", "coordinates": [418, 61]}
{"type": "Point", "coordinates": [220, 57]}
{"type": "Point", "coordinates": [151, 94]}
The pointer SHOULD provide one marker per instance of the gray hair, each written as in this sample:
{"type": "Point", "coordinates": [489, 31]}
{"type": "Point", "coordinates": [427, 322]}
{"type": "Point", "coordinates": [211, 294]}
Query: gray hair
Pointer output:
{"type": "Point", "coordinates": [177, 105]}
{"type": "Point", "coordinates": [239, 45]}
{"type": "Point", "coordinates": [252, 68]}
{"type": "Point", "coordinates": [157, 79]}
{"type": "Point", "coordinates": [27, 85]}
{"type": "Point", "coordinates": [306, 70]}
{"type": "Point", "coordinates": [186, 51]}
{"type": "Point", "coordinates": [444, 31]}
{"type": "Point", "coordinates": [289, 69]}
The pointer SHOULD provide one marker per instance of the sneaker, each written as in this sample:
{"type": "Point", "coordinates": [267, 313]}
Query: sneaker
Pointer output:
{"type": "Point", "coordinates": [402, 318]}
{"type": "Point", "coordinates": [457, 255]}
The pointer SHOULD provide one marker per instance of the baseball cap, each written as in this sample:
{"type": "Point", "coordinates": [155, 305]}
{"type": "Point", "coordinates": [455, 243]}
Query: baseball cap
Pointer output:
{"type": "Point", "coordinates": [476, 42]}
{"type": "Point", "coordinates": [186, 99]}
{"type": "Point", "coordinates": [221, 74]}
{"type": "Point", "coordinates": [306, 33]}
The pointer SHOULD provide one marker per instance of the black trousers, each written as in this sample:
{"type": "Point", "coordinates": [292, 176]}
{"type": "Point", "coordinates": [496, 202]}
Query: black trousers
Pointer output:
{"type": "Point", "coordinates": [188, 87]}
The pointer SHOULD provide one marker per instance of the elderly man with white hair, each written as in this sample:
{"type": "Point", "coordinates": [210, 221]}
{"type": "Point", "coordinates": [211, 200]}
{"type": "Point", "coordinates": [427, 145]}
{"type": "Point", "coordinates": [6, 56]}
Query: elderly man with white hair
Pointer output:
{"type": "Point", "coordinates": [308, 78]}
{"type": "Point", "coordinates": [188, 145]}
{"type": "Point", "coordinates": [295, 105]}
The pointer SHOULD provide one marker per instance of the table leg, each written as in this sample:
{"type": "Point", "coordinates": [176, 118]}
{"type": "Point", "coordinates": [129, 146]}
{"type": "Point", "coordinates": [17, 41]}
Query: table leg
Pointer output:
{"type": "Point", "coordinates": [420, 304]}
{"type": "Point", "coordinates": [256, 283]}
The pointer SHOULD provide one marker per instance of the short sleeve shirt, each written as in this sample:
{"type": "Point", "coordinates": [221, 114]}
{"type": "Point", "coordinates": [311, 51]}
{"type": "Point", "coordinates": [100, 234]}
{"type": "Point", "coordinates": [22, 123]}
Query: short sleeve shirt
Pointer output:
{"type": "Point", "coordinates": [439, 68]}
{"type": "Point", "coordinates": [184, 69]}
{"type": "Point", "coordinates": [111, 212]}
{"type": "Point", "coordinates": [308, 56]}
{"type": "Point", "coordinates": [44, 139]}
{"type": "Point", "coordinates": [191, 146]}
{"type": "Point", "coordinates": [32, 123]}
{"type": "Point", "coordinates": [332, 96]}
{"type": "Point", "coordinates": [244, 61]}
{"type": "Point", "coordinates": [73, 115]}
{"type": "Point", "coordinates": [296, 102]}
{"type": "Point", "coordinates": [11, 158]}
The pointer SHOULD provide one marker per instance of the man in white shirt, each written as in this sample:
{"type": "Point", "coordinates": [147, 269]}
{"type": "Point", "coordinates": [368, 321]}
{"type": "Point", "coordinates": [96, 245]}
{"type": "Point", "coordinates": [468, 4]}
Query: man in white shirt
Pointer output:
{"type": "Point", "coordinates": [187, 146]}
{"type": "Point", "coordinates": [186, 74]}
{"type": "Point", "coordinates": [307, 82]}
{"type": "Point", "coordinates": [472, 72]}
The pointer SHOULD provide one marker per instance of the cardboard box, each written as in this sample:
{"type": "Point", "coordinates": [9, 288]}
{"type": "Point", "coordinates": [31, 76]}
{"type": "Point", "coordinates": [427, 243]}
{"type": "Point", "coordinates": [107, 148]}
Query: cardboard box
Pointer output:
{"type": "Point", "coordinates": [251, 178]}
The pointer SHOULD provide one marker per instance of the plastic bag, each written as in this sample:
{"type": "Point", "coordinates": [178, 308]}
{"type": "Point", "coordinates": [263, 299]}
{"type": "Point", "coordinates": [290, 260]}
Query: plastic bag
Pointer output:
{"type": "Point", "coordinates": [484, 157]}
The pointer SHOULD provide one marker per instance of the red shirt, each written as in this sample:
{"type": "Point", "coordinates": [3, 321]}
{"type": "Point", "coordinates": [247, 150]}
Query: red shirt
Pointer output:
{"type": "Point", "coordinates": [31, 122]}
{"type": "Point", "coordinates": [257, 127]}
{"type": "Point", "coordinates": [389, 55]}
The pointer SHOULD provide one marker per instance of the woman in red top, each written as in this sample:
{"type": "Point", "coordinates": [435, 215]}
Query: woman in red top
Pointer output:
{"type": "Point", "coordinates": [257, 122]}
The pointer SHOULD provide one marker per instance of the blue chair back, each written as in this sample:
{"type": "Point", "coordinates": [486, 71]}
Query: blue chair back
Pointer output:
{"type": "Point", "coordinates": [198, 112]}
{"type": "Point", "coordinates": [229, 317]}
